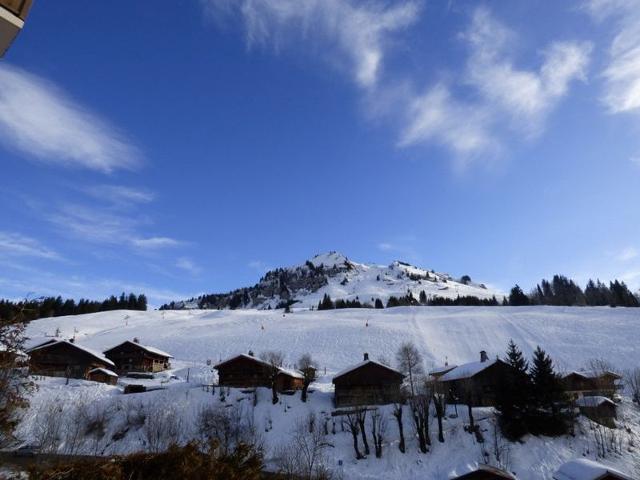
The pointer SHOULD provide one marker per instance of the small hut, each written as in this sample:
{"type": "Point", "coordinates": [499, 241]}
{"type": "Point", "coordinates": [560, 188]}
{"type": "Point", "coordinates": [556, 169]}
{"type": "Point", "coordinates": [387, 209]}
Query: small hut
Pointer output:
{"type": "Point", "coordinates": [597, 408]}
{"type": "Point", "coordinates": [132, 356]}
{"type": "Point", "coordinates": [65, 358]}
{"type": "Point", "coordinates": [247, 371]}
{"type": "Point", "coordinates": [481, 472]}
{"type": "Point", "coordinates": [591, 383]}
{"type": "Point", "coordinates": [584, 469]}
{"type": "Point", "coordinates": [103, 375]}
{"type": "Point", "coordinates": [474, 382]}
{"type": "Point", "coordinates": [367, 383]}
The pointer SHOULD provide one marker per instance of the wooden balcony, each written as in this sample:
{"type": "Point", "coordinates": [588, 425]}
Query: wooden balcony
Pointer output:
{"type": "Point", "coordinates": [13, 14]}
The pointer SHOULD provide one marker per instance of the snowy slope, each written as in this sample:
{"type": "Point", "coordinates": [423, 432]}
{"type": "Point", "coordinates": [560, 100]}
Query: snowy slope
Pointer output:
{"type": "Point", "coordinates": [337, 340]}
{"type": "Point", "coordinates": [334, 274]}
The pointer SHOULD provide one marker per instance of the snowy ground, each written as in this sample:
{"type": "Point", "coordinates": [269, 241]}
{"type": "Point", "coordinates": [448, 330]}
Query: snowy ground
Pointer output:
{"type": "Point", "coordinates": [337, 339]}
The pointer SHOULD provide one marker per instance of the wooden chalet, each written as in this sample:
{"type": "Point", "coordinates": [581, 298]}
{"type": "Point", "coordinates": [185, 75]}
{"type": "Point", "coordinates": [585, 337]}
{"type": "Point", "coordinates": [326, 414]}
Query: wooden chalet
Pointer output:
{"type": "Point", "coordinates": [474, 382]}
{"type": "Point", "coordinates": [482, 472]}
{"type": "Point", "coordinates": [131, 356]}
{"type": "Point", "coordinates": [103, 375]}
{"type": "Point", "coordinates": [247, 371]}
{"type": "Point", "coordinates": [584, 469]}
{"type": "Point", "coordinates": [64, 358]}
{"type": "Point", "coordinates": [586, 383]}
{"type": "Point", "coordinates": [599, 409]}
{"type": "Point", "coordinates": [368, 383]}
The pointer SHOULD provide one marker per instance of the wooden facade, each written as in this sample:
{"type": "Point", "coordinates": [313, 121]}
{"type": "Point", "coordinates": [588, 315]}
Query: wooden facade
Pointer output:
{"type": "Point", "coordinates": [475, 382]}
{"type": "Point", "coordinates": [485, 472]}
{"type": "Point", "coordinates": [599, 409]}
{"type": "Point", "coordinates": [134, 357]}
{"type": "Point", "coordinates": [247, 371]}
{"type": "Point", "coordinates": [369, 383]}
{"type": "Point", "coordinates": [61, 358]}
{"type": "Point", "coordinates": [590, 383]}
{"type": "Point", "coordinates": [103, 375]}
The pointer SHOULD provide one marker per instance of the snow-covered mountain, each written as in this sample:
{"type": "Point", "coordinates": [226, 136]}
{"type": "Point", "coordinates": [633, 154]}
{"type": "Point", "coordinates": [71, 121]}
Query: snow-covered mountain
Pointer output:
{"type": "Point", "coordinates": [335, 275]}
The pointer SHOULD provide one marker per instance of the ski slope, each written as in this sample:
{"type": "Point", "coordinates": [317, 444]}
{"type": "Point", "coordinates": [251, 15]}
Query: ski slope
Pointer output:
{"type": "Point", "coordinates": [337, 339]}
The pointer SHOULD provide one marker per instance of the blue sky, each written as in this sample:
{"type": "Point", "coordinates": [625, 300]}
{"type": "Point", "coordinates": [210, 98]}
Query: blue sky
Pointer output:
{"type": "Point", "coordinates": [186, 148]}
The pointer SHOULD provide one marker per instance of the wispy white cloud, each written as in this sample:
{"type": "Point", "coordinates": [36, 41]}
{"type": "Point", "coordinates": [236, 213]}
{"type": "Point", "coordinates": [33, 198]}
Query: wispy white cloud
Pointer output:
{"type": "Point", "coordinates": [39, 119]}
{"type": "Point", "coordinates": [526, 96]}
{"type": "Point", "coordinates": [15, 244]}
{"type": "Point", "coordinates": [636, 160]}
{"type": "Point", "coordinates": [259, 266]}
{"type": "Point", "coordinates": [622, 74]}
{"type": "Point", "coordinates": [356, 34]}
{"type": "Point", "coordinates": [626, 254]}
{"type": "Point", "coordinates": [119, 194]}
{"type": "Point", "coordinates": [106, 227]}
{"type": "Point", "coordinates": [188, 265]}
{"type": "Point", "coordinates": [436, 116]}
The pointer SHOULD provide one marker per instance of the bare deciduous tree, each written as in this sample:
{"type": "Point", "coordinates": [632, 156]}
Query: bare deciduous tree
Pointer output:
{"type": "Point", "coordinates": [632, 381]}
{"type": "Point", "coordinates": [354, 429]}
{"type": "Point", "coordinates": [410, 362]}
{"type": "Point", "coordinates": [397, 413]}
{"type": "Point", "coordinates": [304, 458]}
{"type": "Point", "coordinates": [308, 367]}
{"type": "Point", "coordinates": [275, 359]}
{"type": "Point", "coordinates": [440, 403]}
{"type": "Point", "coordinates": [378, 429]}
{"type": "Point", "coordinates": [162, 427]}
{"type": "Point", "coordinates": [361, 416]}
{"type": "Point", "coordinates": [420, 405]}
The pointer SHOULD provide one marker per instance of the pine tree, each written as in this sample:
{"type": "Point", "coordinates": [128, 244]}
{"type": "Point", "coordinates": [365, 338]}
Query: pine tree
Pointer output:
{"type": "Point", "coordinates": [513, 395]}
{"type": "Point", "coordinates": [517, 297]}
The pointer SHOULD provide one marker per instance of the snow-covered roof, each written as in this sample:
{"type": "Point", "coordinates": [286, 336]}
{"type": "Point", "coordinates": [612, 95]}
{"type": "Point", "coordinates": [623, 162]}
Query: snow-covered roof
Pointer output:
{"type": "Point", "coordinates": [584, 469]}
{"type": "Point", "coordinates": [155, 351]}
{"type": "Point", "coordinates": [592, 373]}
{"type": "Point", "coordinates": [442, 369]}
{"type": "Point", "coordinates": [468, 468]}
{"type": "Point", "coordinates": [243, 355]}
{"type": "Point", "coordinates": [362, 364]}
{"type": "Point", "coordinates": [93, 353]}
{"type": "Point", "coordinates": [467, 370]}
{"type": "Point", "coordinates": [105, 371]}
{"type": "Point", "coordinates": [592, 401]}
{"type": "Point", "coordinates": [291, 373]}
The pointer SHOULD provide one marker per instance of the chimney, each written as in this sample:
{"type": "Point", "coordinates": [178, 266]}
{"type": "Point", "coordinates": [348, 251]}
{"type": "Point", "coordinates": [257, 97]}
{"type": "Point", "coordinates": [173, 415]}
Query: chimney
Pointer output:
{"type": "Point", "coordinates": [483, 356]}
{"type": "Point", "coordinates": [136, 340]}
{"type": "Point", "coordinates": [72, 339]}
{"type": "Point", "coordinates": [366, 356]}
{"type": "Point", "coordinates": [251, 353]}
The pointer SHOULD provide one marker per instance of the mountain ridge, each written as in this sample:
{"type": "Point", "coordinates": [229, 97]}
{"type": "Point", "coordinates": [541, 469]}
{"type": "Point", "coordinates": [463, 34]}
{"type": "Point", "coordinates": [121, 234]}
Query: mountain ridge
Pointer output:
{"type": "Point", "coordinates": [336, 276]}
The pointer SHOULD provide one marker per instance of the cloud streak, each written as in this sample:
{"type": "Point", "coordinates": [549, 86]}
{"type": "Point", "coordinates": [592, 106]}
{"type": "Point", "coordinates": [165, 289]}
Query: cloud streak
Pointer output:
{"type": "Point", "coordinates": [355, 34]}
{"type": "Point", "coordinates": [39, 119]}
{"type": "Point", "coordinates": [14, 244]}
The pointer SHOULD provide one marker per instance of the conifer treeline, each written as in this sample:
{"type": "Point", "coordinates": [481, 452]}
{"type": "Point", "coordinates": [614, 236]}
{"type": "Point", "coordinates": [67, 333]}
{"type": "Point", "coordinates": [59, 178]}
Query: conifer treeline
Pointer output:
{"type": "Point", "coordinates": [405, 301]}
{"type": "Point", "coordinates": [56, 306]}
{"type": "Point", "coordinates": [563, 291]}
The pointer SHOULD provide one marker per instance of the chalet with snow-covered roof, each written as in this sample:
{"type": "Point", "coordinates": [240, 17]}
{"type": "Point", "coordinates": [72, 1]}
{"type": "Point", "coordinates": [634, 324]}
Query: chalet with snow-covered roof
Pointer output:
{"type": "Point", "coordinates": [480, 472]}
{"type": "Point", "coordinates": [103, 375]}
{"type": "Point", "coordinates": [65, 358]}
{"type": "Point", "coordinates": [247, 371]}
{"type": "Point", "coordinates": [597, 408]}
{"type": "Point", "coordinates": [367, 383]}
{"type": "Point", "coordinates": [474, 382]}
{"type": "Point", "coordinates": [585, 469]}
{"type": "Point", "coordinates": [132, 356]}
{"type": "Point", "coordinates": [591, 383]}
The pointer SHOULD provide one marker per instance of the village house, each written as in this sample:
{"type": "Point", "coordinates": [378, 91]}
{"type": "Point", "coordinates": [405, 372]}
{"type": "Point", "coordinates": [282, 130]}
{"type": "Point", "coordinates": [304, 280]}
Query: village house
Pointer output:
{"type": "Point", "coordinates": [368, 383]}
{"type": "Point", "coordinates": [103, 375]}
{"type": "Point", "coordinates": [482, 472]}
{"type": "Point", "coordinates": [591, 383]}
{"type": "Point", "coordinates": [65, 358]}
{"type": "Point", "coordinates": [474, 382]}
{"type": "Point", "coordinates": [247, 371]}
{"type": "Point", "coordinates": [131, 356]}
{"type": "Point", "coordinates": [584, 469]}
{"type": "Point", "coordinates": [597, 408]}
